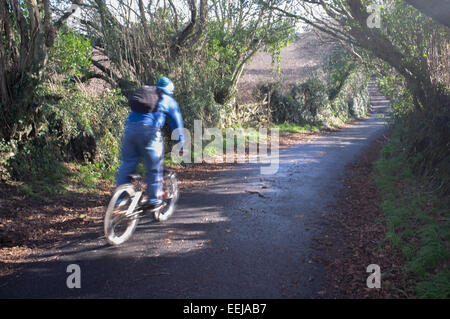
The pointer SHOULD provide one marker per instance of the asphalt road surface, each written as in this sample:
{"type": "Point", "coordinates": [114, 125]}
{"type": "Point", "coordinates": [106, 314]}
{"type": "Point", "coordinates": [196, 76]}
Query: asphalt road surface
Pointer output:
{"type": "Point", "coordinates": [223, 241]}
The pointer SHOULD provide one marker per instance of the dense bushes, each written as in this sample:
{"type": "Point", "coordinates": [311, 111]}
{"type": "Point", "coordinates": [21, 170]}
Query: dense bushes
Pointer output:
{"type": "Point", "coordinates": [423, 133]}
{"type": "Point", "coordinates": [353, 99]}
{"type": "Point", "coordinates": [71, 54]}
{"type": "Point", "coordinates": [320, 102]}
{"type": "Point", "coordinates": [86, 127]}
{"type": "Point", "coordinates": [78, 127]}
{"type": "Point", "coordinates": [69, 123]}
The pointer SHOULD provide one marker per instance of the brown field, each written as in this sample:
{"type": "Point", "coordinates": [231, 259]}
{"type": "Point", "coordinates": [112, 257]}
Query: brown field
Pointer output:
{"type": "Point", "coordinates": [302, 59]}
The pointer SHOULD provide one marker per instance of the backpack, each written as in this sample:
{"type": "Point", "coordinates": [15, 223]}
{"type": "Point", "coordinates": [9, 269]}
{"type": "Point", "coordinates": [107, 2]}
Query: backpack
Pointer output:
{"type": "Point", "coordinates": [145, 99]}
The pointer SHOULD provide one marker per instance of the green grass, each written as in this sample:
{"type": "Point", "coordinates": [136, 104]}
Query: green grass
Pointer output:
{"type": "Point", "coordinates": [436, 286]}
{"type": "Point", "coordinates": [417, 222]}
{"type": "Point", "coordinates": [294, 128]}
{"type": "Point", "coordinates": [27, 191]}
{"type": "Point", "coordinates": [86, 177]}
{"type": "Point", "coordinates": [80, 178]}
{"type": "Point", "coordinates": [211, 147]}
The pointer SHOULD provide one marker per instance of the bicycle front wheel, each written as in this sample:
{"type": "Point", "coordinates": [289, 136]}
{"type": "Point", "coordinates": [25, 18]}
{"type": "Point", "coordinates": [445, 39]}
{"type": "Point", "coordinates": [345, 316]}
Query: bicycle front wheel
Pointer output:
{"type": "Point", "coordinates": [170, 196]}
{"type": "Point", "coordinates": [118, 225]}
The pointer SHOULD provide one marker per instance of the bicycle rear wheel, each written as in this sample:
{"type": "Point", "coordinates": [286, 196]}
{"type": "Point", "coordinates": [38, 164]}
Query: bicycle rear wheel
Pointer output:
{"type": "Point", "coordinates": [118, 226]}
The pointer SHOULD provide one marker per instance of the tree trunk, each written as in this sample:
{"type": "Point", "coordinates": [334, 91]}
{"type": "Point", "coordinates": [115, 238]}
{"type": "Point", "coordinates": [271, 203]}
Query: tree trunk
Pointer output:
{"type": "Point", "coordinates": [22, 59]}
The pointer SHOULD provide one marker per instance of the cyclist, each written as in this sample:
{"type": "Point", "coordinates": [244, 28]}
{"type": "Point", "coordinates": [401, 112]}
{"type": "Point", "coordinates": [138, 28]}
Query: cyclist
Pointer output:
{"type": "Point", "coordinates": [142, 139]}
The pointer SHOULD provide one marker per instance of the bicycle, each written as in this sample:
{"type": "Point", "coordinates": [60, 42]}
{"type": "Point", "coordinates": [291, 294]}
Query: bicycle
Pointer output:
{"type": "Point", "coordinates": [126, 207]}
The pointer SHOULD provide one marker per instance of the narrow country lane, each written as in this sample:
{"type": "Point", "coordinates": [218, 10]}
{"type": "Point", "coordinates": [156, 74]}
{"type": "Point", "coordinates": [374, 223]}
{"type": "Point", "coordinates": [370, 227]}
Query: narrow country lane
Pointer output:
{"type": "Point", "coordinates": [223, 241]}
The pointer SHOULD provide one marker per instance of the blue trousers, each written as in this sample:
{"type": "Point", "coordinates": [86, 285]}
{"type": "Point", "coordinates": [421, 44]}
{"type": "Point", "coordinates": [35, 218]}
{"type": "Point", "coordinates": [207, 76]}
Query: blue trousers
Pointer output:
{"type": "Point", "coordinates": [142, 141]}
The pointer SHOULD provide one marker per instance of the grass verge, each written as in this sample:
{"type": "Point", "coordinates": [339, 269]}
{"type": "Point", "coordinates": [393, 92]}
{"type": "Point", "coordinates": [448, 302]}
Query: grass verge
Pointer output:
{"type": "Point", "coordinates": [294, 128]}
{"type": "Point", "coordinates": [417, 220]}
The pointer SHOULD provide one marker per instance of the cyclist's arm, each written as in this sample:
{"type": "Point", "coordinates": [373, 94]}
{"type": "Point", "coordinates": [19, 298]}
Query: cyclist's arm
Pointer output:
{"type": "Point", "coordinates": [172, 110]}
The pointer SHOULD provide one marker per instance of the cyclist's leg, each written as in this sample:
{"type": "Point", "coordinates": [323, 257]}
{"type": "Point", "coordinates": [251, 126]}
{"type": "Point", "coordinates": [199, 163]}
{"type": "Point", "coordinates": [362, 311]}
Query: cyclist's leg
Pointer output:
{"type": "Point", "coordinates": [129, 156]}
{"type": "Point", "coordinates": [153, 159]}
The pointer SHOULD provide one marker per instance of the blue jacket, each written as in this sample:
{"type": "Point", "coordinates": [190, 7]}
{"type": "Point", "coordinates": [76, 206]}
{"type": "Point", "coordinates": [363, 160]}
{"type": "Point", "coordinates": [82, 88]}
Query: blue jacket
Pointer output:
{"type": "Point", "coordinates": [166, 106]}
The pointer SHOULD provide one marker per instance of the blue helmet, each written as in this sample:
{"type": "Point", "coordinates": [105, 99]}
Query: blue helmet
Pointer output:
{"type": "Point", "coordinates": [166, 85]}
